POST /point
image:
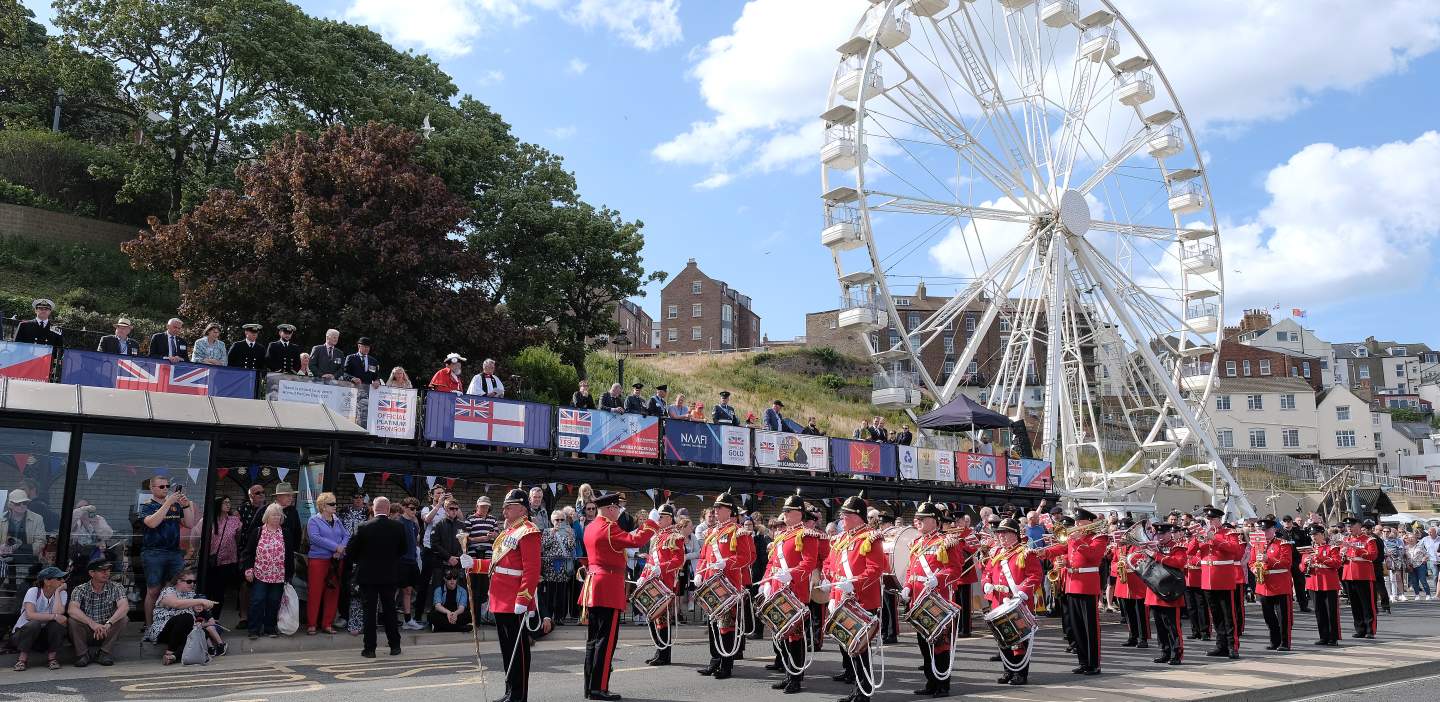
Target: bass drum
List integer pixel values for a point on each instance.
(897, 543)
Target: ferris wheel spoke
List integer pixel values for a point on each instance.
(1122, 154)
(894, 202)
(1146, 231)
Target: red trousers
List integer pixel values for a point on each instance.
(324, 591)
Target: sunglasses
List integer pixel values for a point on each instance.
(160, 487)
(451, 577)
(190, 581)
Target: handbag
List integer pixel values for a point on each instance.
(197, 648)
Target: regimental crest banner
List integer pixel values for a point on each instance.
(849, 457)
(491, 421)
(981, 469)
(392, 412)
(607, 433)
(25, 361)
(778, 449)
(155, 375)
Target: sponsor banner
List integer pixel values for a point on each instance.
(849, 457)
(937, 465)
(475, 419)
(776, 449)
(981, 468)
(737, 445)
(908, 460)
(1029, 473)
(25, 361)
(105, 370)
(392, 412)
(340, 398)
(608, 434)
(698, 442)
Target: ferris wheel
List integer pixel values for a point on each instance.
(1018, 210)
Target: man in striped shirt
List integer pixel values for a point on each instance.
(481, 528)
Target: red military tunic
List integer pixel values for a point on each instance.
(605, 544)
(1359, 556)
(1131, 586)
(1322, 567)
(1083, 554)
(1276, 562)
(666, 557)
(964, 551)
(514, 567)
(1024, 569)
(1175, 557)
(729, 542)
(1192, 563)
(933, 554)
(856, 556)
(797, 551)
(1219, 564)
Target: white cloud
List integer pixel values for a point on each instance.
(563, 133)
(576, 67)
(1341, 223)
(717, 180)
(447, 28)
(488, 77)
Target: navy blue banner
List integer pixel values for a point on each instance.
(474, 419)
(103, 370)
(696, 442)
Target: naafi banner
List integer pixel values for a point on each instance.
(715, 444)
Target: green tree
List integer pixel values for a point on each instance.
(34, 68)
(340, 230)
(1405, 414)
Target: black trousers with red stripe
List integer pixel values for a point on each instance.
(1198, 607)
(962, 620)
(1168, 632)
(600, 647)
(1223, 604)
(1082, 611)
(517, 675)
(1362, 605)
(1279, 617)
(1327, 614)
(1133, 609)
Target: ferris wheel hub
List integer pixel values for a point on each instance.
(1074, 212)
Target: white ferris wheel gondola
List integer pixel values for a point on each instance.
(1033, 158)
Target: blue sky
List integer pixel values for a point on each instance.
(698, 117)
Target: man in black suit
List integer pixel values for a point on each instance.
(723, 412)
(658, 406)
(282, 356)
(168, 344)
(327, 361)
(360, 366)
(634, 403)
(376, 548)
(445, 542)
(42, 329)
(904, 436)
(248, 353)
(120, 342)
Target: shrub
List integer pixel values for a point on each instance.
(830, 380)
(544, 376)
(826, 355)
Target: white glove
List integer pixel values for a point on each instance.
(466, 562)
(905, 595)
(846, 587)
(521, 609)
(989, 588)
(719, 563)
(931, 582)
(783, 577)
(655, 515)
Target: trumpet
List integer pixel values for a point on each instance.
(1063, 534)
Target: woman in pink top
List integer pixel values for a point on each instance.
(224, 554)
(264, 565)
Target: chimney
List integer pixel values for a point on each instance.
(920, 291)
(1254, 320)
(690, 263)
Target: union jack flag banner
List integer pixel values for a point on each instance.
(155, 375)
(473, 419)
(392, 413)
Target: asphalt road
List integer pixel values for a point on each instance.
(448, 670)
(1414, 690)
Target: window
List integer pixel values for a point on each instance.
(755, 327)
(1004, 324)
(974, 368)
(1305, 368)
(912, 320)
(695, 309)
(894, 339)
(694, 333)
(36, 458)
(1246, 365)
(949, 343)
(834, 322)
(1364, 372)
(1222, 402)
(969, 323)
(902, 302)
(1226, 437)
(1287, 401)
(1400, 370)
(1257, 438)
(694, 287)
(1324, 364)
(949, 368)
(727, 313)
(1264, 366)
(1361, 352)
(672, 311)
(1254, 402)
(1230, 369)
(1377, 440)
(725, 336)
(1398, 351)
(1290, 438)
(1342, 413)
(1375, 418)
(1345, 438)
(672, 334)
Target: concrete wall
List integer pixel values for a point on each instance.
(47, 226)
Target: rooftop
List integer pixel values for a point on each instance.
(1262, 385)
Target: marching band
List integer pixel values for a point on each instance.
(816, 587)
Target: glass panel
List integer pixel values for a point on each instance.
(116, 479)
(32, 485)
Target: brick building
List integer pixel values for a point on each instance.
(1240, 360)
(636, 323)
(700, 313)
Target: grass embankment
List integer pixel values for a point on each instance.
(834, 389)
(91, 286)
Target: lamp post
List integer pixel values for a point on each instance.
(621, 342)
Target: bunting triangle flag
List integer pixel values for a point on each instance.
(222, 472)
(430, 482)
(90, 468)
(407, 481)
(359, 480)
(57, 465)
(254, 472)
(194, 474)
(282, 472)
(449, 483)
(384, 477)
(22, 461)
(162, 470)
(487, 488)
(554, 488)
(651, 493)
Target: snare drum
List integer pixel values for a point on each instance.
(717, 596)
(783, 612)
(653, 598)
(852, 627)
(931, 615)
(1012, 623)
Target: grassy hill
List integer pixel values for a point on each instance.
(90, 285)
(834, 389)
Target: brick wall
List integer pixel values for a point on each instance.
(1281, 364)
(712, 298)
(47, 226)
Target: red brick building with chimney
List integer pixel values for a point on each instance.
(700, 313)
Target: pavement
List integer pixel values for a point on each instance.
(444, 666)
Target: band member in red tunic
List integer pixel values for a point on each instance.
(1273, 585)
(664, 561)
(967, 543)
(728, 553)
(815, 601)
(603, 594)
(514, 570)
(1219, 572)
(1359, 552)
(1169, 552)
(853, 570)
(1196, 603)
(1016, 572)
(1321, 567)
(1083, 553)
(933, 568)
(794, 555)
(1130, 590)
